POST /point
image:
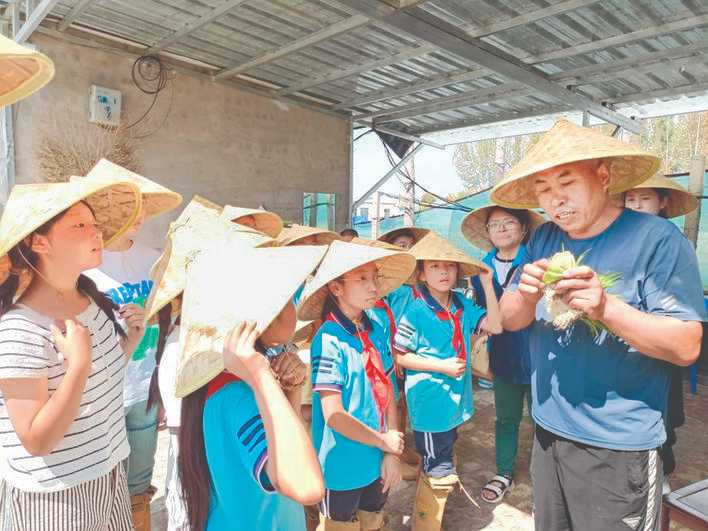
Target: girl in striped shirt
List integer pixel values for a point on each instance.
(62, 358)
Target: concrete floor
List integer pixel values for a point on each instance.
(475, 449)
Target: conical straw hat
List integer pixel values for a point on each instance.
(218, 297)
(266, 222)
(435, 247)
(566, 142)
(292, 235)
(418, 233)
(680, 201)
(115, 204)
(199, 227)
(156, 198)
(374, 243)
(394, 268)
(22, 71)
(304, 330)
(474, 226)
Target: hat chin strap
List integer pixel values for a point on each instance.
(59, 292)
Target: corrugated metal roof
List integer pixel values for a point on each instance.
(383, 66)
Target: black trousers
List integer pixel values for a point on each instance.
(584, 488)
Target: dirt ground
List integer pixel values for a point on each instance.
(475, 448)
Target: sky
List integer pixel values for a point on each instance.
(433, 167)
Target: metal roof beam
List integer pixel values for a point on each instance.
(194, 26)
(404, 55)
(75, 13)
(617, 40)
(422, 25)
(304, 42)
(692, 88)
(34, 19)
(527, 18)
(493, 118)
(568, 75)
(428, 84)
(476, 97)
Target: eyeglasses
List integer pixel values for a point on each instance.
(504, 224)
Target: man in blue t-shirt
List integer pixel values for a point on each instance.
(599, 395)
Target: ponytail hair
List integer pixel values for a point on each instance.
(192, 464)
(107, 306)
(164, 322)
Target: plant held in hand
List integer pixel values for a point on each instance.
(563, 315)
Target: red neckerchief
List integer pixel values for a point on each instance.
(392, 323)
(373, 366)
(391, 319)
(458, 338)
(220, 381)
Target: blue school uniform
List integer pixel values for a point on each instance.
(398, 300)
(437, 402)
(236, 450)
(338, 365)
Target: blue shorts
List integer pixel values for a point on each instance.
(436, 450)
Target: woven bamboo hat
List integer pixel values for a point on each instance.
(199, 227)
(435, 247)
(216, 300)
(156, 198)
(22, 71)
(566, 142)
(305, 330)
(394, 268)
(293, 234)
(391, 235)
(115, 204)
(374, 243)
(474, 226)
(680, 201)
(266, 222)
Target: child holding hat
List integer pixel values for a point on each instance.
(245, 459)
(354, 421)
(62, 358)
(661, 196)
(503, 233)
(199, 227)
(434, 344)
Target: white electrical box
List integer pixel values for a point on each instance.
(104, 105)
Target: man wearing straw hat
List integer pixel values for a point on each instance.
(622, 299)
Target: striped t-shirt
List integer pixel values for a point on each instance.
(96, 441)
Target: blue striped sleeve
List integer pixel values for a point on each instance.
(406, 339)
(327, 363)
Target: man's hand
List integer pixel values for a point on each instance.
(582, 290)
(531, 281)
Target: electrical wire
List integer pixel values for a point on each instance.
(363, 134)
(404, 172)
(150, 76)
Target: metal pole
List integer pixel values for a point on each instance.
(409, 213)
(375, 221)
(7, 137)
(691, 224)
(386, 177)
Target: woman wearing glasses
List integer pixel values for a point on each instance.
(503, 233)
